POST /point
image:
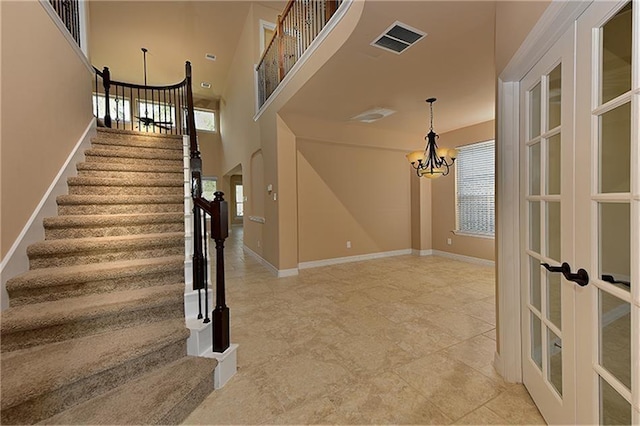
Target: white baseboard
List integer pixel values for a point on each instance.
(463, 258)
(416, 252)
(16, 261)
(280, 273)
(348, 259)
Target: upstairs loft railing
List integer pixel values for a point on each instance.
(69, 13)
(129, 106)
(300, 23)
(169, 110)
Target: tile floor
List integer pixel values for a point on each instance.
(400, 340)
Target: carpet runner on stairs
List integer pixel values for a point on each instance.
(95, 332)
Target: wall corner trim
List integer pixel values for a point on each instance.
(280, 273)
(417, 252)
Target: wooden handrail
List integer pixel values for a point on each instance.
(141, 86)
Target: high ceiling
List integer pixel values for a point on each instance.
(173, 32)
(454, 63)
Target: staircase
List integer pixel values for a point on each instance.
(96, 332)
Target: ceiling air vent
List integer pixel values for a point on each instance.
(398, 37)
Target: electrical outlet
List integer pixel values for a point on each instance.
(449, 241)
(258, 243)
(348, 244)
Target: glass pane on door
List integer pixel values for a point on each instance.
(535, 108)
(554, 98)
(615, 337)
(534, 169)
(554, 307)
(554, 371)
(615, 244)
(616, 55)
(553, 165)
(614, 409)
(553, 231)
(615, 150)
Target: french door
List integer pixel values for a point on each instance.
(580, 202)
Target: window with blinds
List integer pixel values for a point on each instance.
(475, 189)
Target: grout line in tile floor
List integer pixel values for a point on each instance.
(399, 340)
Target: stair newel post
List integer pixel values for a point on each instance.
(219, 232)
(106, 82)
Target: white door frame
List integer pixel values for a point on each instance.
(558, 18)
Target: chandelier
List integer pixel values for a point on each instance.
(432, 162)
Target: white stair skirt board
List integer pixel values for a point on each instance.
(280, 273)
(16, 261)
(201, 339)
(200, 343)
(227, 365)
(463, 258)
(348, 259)
(191, 303)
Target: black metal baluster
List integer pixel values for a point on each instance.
(205, 270)
(197, 257)
(138, 105)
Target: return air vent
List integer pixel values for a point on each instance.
(398, 37)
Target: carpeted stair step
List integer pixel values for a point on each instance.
(82, 251)
(114, 186)
(42, 381)
(165, 396)
(83, 226)
(135, 138)
(49, 284)
(118, 204)
(142, 151)
(126, 171)
(138, 141)
(40, 323)
(133, 156)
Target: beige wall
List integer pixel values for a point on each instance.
(514, 21)
(240, 134)
(352, 193)
(443, 200)
(48, 89)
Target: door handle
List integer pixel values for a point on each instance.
(611, 279)
(581, 277)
